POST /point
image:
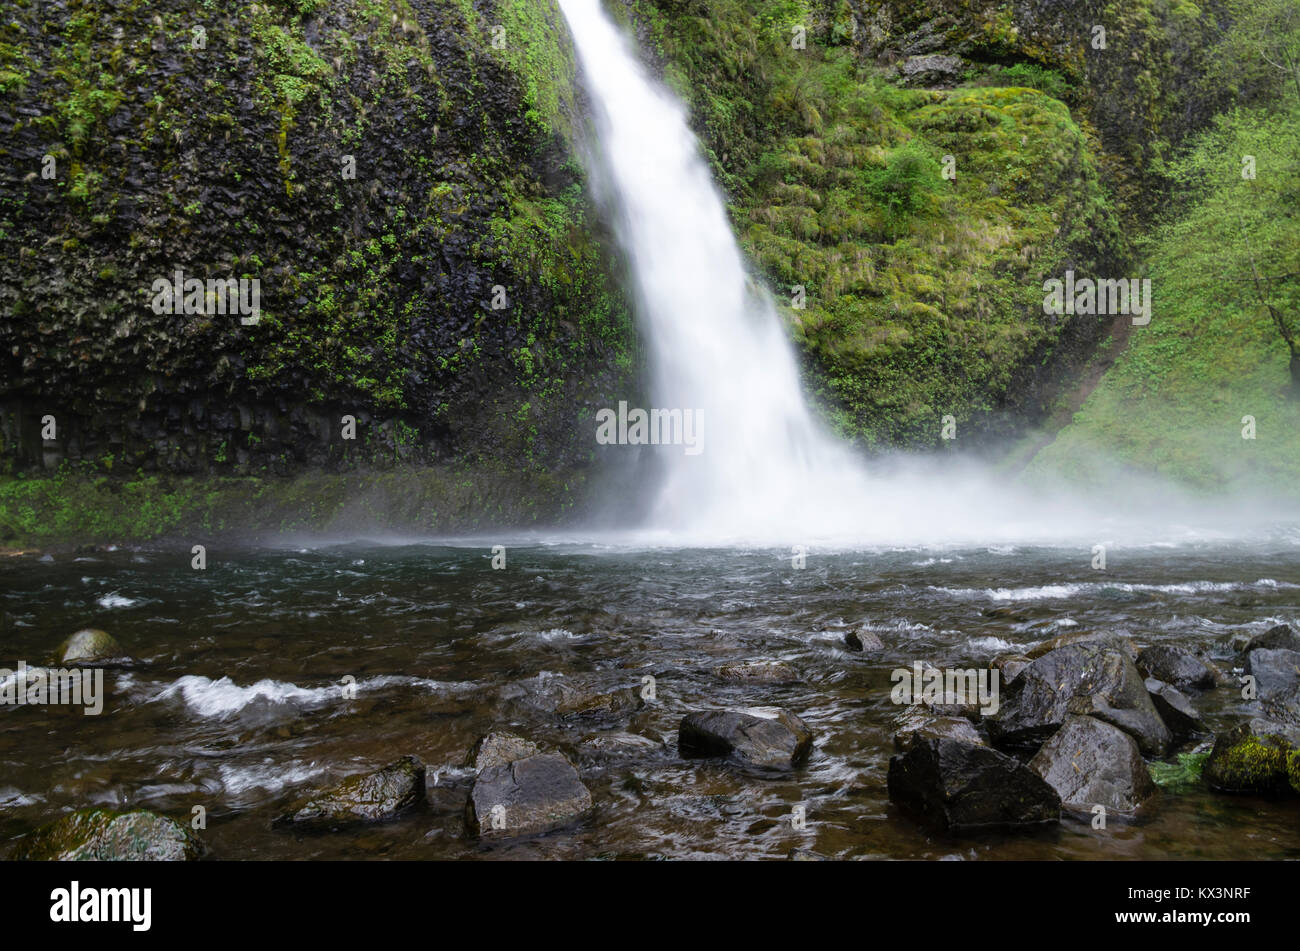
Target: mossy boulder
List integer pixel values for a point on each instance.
(372, 797)
(89, 646)
(1258, 756)
(100, 835)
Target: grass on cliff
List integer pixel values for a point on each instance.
(1177, 400)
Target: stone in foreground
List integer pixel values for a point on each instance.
(1177, 667)
(1175, 709)
(1083, 679)
(1090, 763)
(371, 797)
(955, 786)
(100, 835)
(759, 736)
(527, 796)
(1258, 756)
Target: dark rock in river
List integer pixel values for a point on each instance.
(90, 647)
(1113, 639)
(1175, 709)
(919, 723)
(569, 697)
(957, 785)
(1082, 679)
(1276, 638)
(1258, 756)
(618, 745)
(1176, 667)
(370, 797)
(863, 640)
(1090, 763)
(1276, 672)
(530, 795)
(770, 672)
(759, 736)
(496, 748)
(99, 835)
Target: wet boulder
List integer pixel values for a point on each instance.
(90, 647)
(496, 748)
(863, 640)
(955, 785)
(1276, 672)
(1280, 637)
(1258, 756)
(1176, 667)
(757, 736)
(1010, 666)
(1082, 679)
(918, 723)
(1119, 641)
(368, 797)
(767, 672)
(527, 796)
(1090, 763)
(574, 697)
(101, 835)
(1175, 709)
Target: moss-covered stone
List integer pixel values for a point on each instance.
(1253, 757)
(371, 797)
(100, 835)
(89, 646)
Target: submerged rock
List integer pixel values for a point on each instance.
(90, 646)
(759, 736)
(1082, 679)
(1276, 671)
(1176, 667)
(100, 835)
(770, 672)
(1258, 756)
(1090, 763)
(957, 785)
(863, 640)
(526, 796)
(618, 745)
(370, 797)
(1175, 709)
(496, 748)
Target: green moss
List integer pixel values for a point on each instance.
(1181, 774)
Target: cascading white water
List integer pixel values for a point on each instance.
(717, 345)
(768, 472)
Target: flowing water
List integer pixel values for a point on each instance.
(236, 704)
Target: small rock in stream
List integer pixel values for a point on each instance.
(535, 794)
(91, 647)
(758, 736)
(369, 797)
(101, 835)
(863, 640)
(768, 672)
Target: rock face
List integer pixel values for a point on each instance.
(1175, 709)
(1258, 756)
(1176, 667)
(90, 647)
(931, 70)
(99, 835)
(761, 736)
(773, 672)
(957, 785)
(372, 797)
(1276, 672)
(1091, 763)
(526, 796)
(1082, 679)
